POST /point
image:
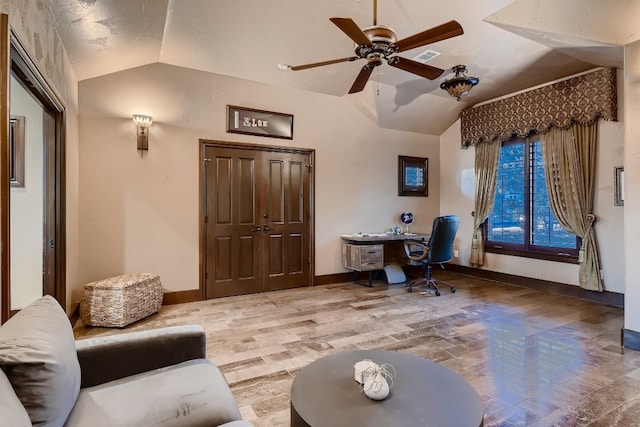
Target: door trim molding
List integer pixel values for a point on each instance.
(261, 147)
(16, 60)
(204, 143)
(5, 66)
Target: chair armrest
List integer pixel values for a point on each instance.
(416, 256)
(104, 359)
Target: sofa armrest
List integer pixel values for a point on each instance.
(104, 359)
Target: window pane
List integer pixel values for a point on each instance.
(507, 221)
(545, 228)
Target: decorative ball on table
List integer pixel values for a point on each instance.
(406, 218)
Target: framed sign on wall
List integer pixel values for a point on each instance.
(413, 176)
(250, 121)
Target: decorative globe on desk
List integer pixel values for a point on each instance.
(406, 218)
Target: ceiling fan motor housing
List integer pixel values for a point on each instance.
(381, 38)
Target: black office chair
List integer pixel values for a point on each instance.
(438, 250)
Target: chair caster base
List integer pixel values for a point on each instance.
(437, 293)
(453, 290)
(410, 289)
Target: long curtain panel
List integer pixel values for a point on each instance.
(570, 157)
(486, 167)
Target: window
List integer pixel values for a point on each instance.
(522, 222)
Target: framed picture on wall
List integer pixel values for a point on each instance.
(16, 151)
(618, 188)
(413, 174)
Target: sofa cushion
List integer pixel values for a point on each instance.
(192, 393)
(13, 413)
(38, 355)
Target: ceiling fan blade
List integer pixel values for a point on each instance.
(352, 30)
(361, 80)
(432, 35)
(320, 64)
(418, 68)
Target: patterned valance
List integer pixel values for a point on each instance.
(583, 99)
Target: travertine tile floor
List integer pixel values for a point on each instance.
(536, 359)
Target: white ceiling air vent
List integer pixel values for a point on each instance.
(426, 56)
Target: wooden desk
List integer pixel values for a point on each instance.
(372, 239)
(365, 252)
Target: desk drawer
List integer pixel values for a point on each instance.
(362, 257)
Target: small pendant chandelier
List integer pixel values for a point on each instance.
(459, 85)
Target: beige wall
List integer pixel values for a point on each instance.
(31, 23)
(141, 213)
(631, 239)
(27, 205)
(457, 186)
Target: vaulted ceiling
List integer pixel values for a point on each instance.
(509, 45)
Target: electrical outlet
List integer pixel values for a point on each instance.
(455, 253)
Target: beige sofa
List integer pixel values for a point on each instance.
(152, 378)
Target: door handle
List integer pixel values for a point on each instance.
(266, 228)
(255, 228)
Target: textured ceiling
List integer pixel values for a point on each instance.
(509, 44)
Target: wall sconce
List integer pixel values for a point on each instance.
(143, 122)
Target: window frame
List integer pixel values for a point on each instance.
(528, 249)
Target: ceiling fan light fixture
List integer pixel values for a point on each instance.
(459, 85)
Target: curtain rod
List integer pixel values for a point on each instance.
(537, 87)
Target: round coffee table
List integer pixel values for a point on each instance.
(325, 393)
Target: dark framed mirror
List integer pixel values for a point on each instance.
(16, 151)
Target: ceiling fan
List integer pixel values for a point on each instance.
(379, 43)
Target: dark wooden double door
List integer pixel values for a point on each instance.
(257, 219)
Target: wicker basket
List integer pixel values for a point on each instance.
(121, 300)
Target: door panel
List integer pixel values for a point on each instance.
(246, 192)
(223, 190)
(275, 254)
(296, 249)
(258, 237)
(49, 241)
(248, 267)
(275, 187)
(289, 202)
(296, 193)
(232, 238)
(223, 260)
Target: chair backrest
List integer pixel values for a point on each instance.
(443, 234)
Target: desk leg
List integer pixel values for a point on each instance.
(358, 282)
